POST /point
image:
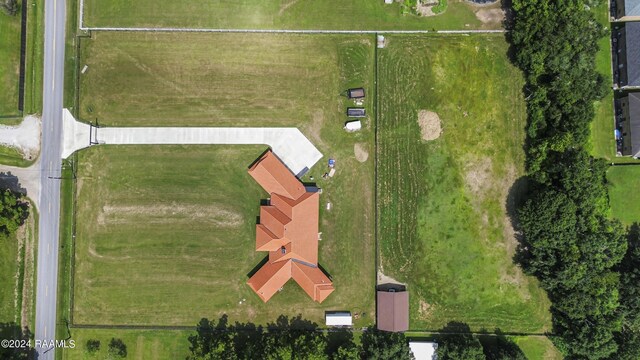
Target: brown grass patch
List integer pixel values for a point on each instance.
(361, 152)
(214, 214)
(430, 127)
(490, 16)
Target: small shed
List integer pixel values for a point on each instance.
(338, 318)
(380, 41)
(388, 1)
(393, 310)
(353, 125)
(356, 112)
(423, 350)
(357, 93)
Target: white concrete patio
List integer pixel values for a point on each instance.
(291, 146)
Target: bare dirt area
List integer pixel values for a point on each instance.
(360, 152)
(478, 176)
(425, 9)
(424, 309)
(430, 127)
(490, 16)
(24, 137)
(384, 279)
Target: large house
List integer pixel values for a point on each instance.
(626, 56)
(288, 230)
(625, 10)
(628, 125)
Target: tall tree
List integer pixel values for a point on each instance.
(382, 345)
(463, 346)
(10, 7)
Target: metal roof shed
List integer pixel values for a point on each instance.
(338, 318)
(353, 125)
(356, 112)
(393, 311)
(357, 93)
(423, 350)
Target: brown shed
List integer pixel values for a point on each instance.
(393, 310)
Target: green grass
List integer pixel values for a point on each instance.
(10, 65)
(141, 344)
(623, 184)
(135, 265)
(34, 57)
(276, 14)
(189, 80)
(537, 348)
(8, 265)
(443, 224)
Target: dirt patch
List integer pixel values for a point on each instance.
(424, 309)
(430, 127)
(490, 16)
(384, 279)
(425, 10)
(361, 152)
(478, 177)
(216, 215)
(285, 6)
(315, 127)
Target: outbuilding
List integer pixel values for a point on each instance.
(628, 125)
(626, 55)
(424, 350)
(357, 93)
(353, 125)
(338, 318)
(626, 10)
(356, 112)
(393, 310)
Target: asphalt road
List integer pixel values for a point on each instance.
(50, 166)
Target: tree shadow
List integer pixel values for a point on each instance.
(12, 183)
(337, 338)
(12, 331)
(515, 198)
(499, 347)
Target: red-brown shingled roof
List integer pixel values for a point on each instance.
(288, 229)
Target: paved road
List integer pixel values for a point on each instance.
(50, 165)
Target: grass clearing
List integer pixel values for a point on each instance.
(623, 184)
(141, 344)
(277, 14)
(10, 65)
(189, 80)
(139, 263)
(537, 348)
(443, 224)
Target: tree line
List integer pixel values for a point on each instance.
(585, 260)
(297, 338)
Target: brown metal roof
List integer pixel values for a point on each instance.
(288, 229)
(393, 311)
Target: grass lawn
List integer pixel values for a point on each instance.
(10, 65)
(141, 344)
(278, 14)
(138, 262)
(212, 79)
(623, 184)
(8, 267)
(443, 224)
(537, 347)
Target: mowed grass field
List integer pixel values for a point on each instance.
(150, 246)
(141, 344)
(281, 14)
(142, 79)
(623, 184)
(443, 205)
(10, 64)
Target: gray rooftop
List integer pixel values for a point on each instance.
(634, 123)
(632, 7)
(632, 30)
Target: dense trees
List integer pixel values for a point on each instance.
(13, 212)
(461, 346)
(570, 243)
(117, 349)
(294, 338)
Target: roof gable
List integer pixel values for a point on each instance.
(632, 34)
(632, 7)
(634, 123)
(275, 177)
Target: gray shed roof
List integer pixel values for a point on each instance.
(632, 32)
(632, 7)
(634, 123)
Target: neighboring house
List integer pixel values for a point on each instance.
(628, 125)
(393, 310)
(424, 350)
(626, 55)
(288, 230)
(625, 10)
